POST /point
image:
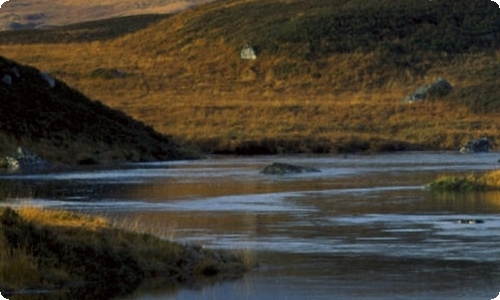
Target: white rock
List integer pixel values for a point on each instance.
(248, 52)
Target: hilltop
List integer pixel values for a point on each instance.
(43, 114)
(329, 75)
(28, 14)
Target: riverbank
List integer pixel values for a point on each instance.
(52, 250)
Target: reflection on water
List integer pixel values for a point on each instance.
(363, 228)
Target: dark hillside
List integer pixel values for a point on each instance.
(46, 116)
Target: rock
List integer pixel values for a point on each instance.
(9, 163)
(437, 89)
(7, 79)
(474, 146)
(283, 168)
(248, 52)
(470, 221)
(24, 160)
(49, 79)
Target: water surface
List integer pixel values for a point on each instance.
(362, 228)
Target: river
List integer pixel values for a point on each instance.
(362, 228)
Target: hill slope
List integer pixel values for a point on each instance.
(82, 32)
(328, 77)
(60, 124)
(26, 14)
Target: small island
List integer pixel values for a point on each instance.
(472, 182)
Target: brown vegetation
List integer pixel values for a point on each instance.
(329, 75)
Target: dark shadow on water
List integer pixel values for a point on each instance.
(90, 291)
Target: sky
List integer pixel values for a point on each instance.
(2, 2)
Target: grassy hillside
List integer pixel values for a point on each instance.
(28, 14)
(61, 124)
(328, 77)
(81, 32)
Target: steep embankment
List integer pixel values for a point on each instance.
(328, 77)
(59, 123)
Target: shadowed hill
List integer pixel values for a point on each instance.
(329, 75)
(59, 123)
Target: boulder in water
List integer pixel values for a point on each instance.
(283, 168)
(475, 146)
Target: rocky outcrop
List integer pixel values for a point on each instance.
(437, 89)
(478, 145)
(24, 160)
(283, 168)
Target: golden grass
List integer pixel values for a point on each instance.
(235, 112)
(61, 218)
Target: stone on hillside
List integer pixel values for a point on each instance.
(437, 89)
(7, 79)
(49, 79)
(248, 52)
(283, 168)
(474, 146)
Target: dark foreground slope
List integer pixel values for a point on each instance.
(46, 116)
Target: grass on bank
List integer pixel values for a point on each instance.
(471, 182)
(329, 75)
(53, 249)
